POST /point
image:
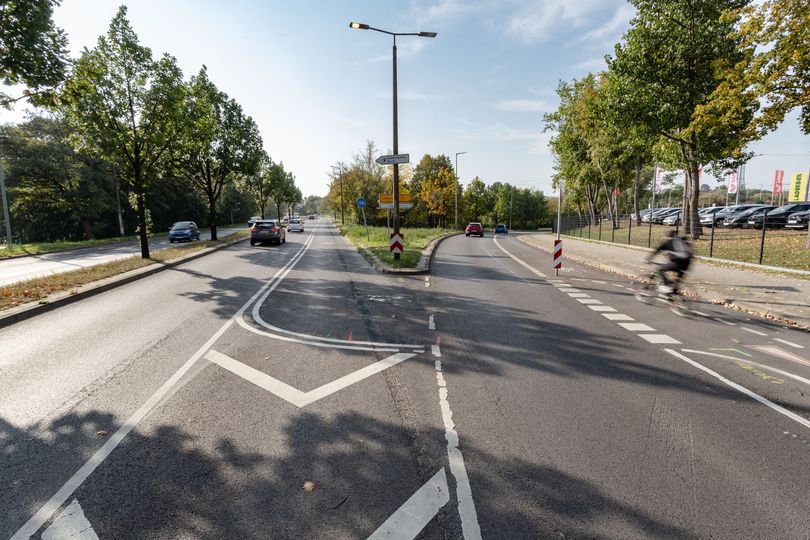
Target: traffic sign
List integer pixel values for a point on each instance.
(389, 198)
(392, 159)
(395, 243)
(361, 203)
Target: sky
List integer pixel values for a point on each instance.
(319, 90)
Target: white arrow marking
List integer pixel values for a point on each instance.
(70, 524)
(294, 395)
(409, 520)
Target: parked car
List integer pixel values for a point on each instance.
(658, 217)
(295, 225)
(651, 213)
(713, 216)
(184, 231)
(741, 219)
(474, 228)
(799, 220)
(267, 230)
(253, 220)
(779, 216)
(673, 219)
(730, 216)
(500, 228)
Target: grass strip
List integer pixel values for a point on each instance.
(36, 289)
(416, 239)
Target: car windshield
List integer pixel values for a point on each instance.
(294, 221)
(183, 225)
(474, 225)
(266, 225)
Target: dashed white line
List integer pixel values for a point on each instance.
(588, 301)
(768, 403)
(757, 332)
(578, 295)
(602, 308)
(599, 282)
(718, 319)
(659, 338)
(436, 351)
(636, 327)
(617, 317)
(431, 323)
(789, 343)
(427, 281)
(696, 312)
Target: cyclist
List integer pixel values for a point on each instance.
(679, 251)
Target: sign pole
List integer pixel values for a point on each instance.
(396, 151)
(6, 219)
(559, 220)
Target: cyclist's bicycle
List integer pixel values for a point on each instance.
(648, 291)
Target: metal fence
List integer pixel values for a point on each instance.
(781, 247)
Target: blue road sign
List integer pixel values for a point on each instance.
(361, 203)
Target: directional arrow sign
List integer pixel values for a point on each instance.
(395, 243)
(391, 159)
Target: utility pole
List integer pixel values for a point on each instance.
(6, 219)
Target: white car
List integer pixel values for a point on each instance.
(295, 225)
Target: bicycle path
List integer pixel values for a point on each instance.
(761, 293)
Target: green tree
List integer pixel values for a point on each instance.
(439, 194)
(221, 144)
(258, 185)
(34, 50)
(479, 202)
(428, 167)
(666, 70)
(126, 108)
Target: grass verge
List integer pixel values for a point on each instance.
(40, 288)
(416, 239)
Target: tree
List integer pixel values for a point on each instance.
(439, 193)
(258, 185)
(666, 71)
(34, 50)
(220, 144)
(428, 167)
(126, 108)
(478, 201)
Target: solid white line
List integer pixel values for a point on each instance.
(435, 351)
(600, 282)
(768, 403)
(431, 323)
(71, 523)
(718, 319)
(602, 308)
(466, 506)
(790, 343)
(659, 338)
(73, 483)
(763, 366)
(636, 327)
(525, 265)
(617, 317)
(409, 520)
(293, 395)
(244, 324)
(757, 332)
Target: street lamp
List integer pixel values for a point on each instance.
(362, 26)
(457, 154)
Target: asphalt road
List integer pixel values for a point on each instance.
(23, 268)
(292, 392)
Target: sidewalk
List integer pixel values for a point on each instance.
(765, 295)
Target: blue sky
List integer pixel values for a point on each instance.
(318, 90)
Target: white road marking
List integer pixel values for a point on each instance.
(466, 506)
(434, 349)
(746, 391)
(718, 319)
(525, 265)
(636, 327)
(776, 351)
(701, 313)
(757, 332)
(431, 323)
(578, 295)
(658, 338)
(294, 395)
(599, 282)
(617, 317)
(789, 343)
(763, 366)
(602, 308)
(70, 524)
(619, 285)
(587, 301)
(427, 281)
(409, 520)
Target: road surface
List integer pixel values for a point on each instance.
(292, 392)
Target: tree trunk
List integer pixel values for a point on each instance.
(609, 200)
(212, 215)
(636, 186)
(141, 211)
(695, 230)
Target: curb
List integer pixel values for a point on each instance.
(769, 316)
(422, 267)
(64, 298)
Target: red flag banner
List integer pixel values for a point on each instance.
(732, 183)
(777, 182)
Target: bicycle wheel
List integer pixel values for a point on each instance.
(680, 305)
(645, 291)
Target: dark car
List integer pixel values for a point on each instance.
(500, 228)
(779, 216)
(740, 219)
(267, 230)
(713, 216)
(184, 231)
(799, 220)
(659, 217)
(475, 229)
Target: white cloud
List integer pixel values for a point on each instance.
(609, 32)
(498, 132)
(523, 105)
(447, 10)
(592, 65)
(538, 20)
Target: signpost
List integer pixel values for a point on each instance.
(361, 204)
(395, 243)
(387, 201)
(393, 159)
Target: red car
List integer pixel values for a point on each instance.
(474, 229)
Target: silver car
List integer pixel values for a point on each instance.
(295, 225)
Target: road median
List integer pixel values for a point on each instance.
(420, 245)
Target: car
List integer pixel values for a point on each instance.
(267, 230)
(673, 219)
(295, 225)
(712, 216)
(799, 220)
(656, 213)
(731, 215)
(311, 217)
(742, 219)
(659, 217)
(474, 229)
(253, 220)
(779, 216)
(184, 231)
(500, 228)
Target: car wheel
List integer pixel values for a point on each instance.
(284, 240)
(466, 234)
(252, 243)
(171, 241)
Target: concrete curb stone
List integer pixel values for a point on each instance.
(63, 298)
(422, 266)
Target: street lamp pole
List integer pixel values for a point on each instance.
(457, 154)
(363, 26)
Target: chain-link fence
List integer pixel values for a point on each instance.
(771, 246)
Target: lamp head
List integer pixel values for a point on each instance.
(427, 34)
(358, 26)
